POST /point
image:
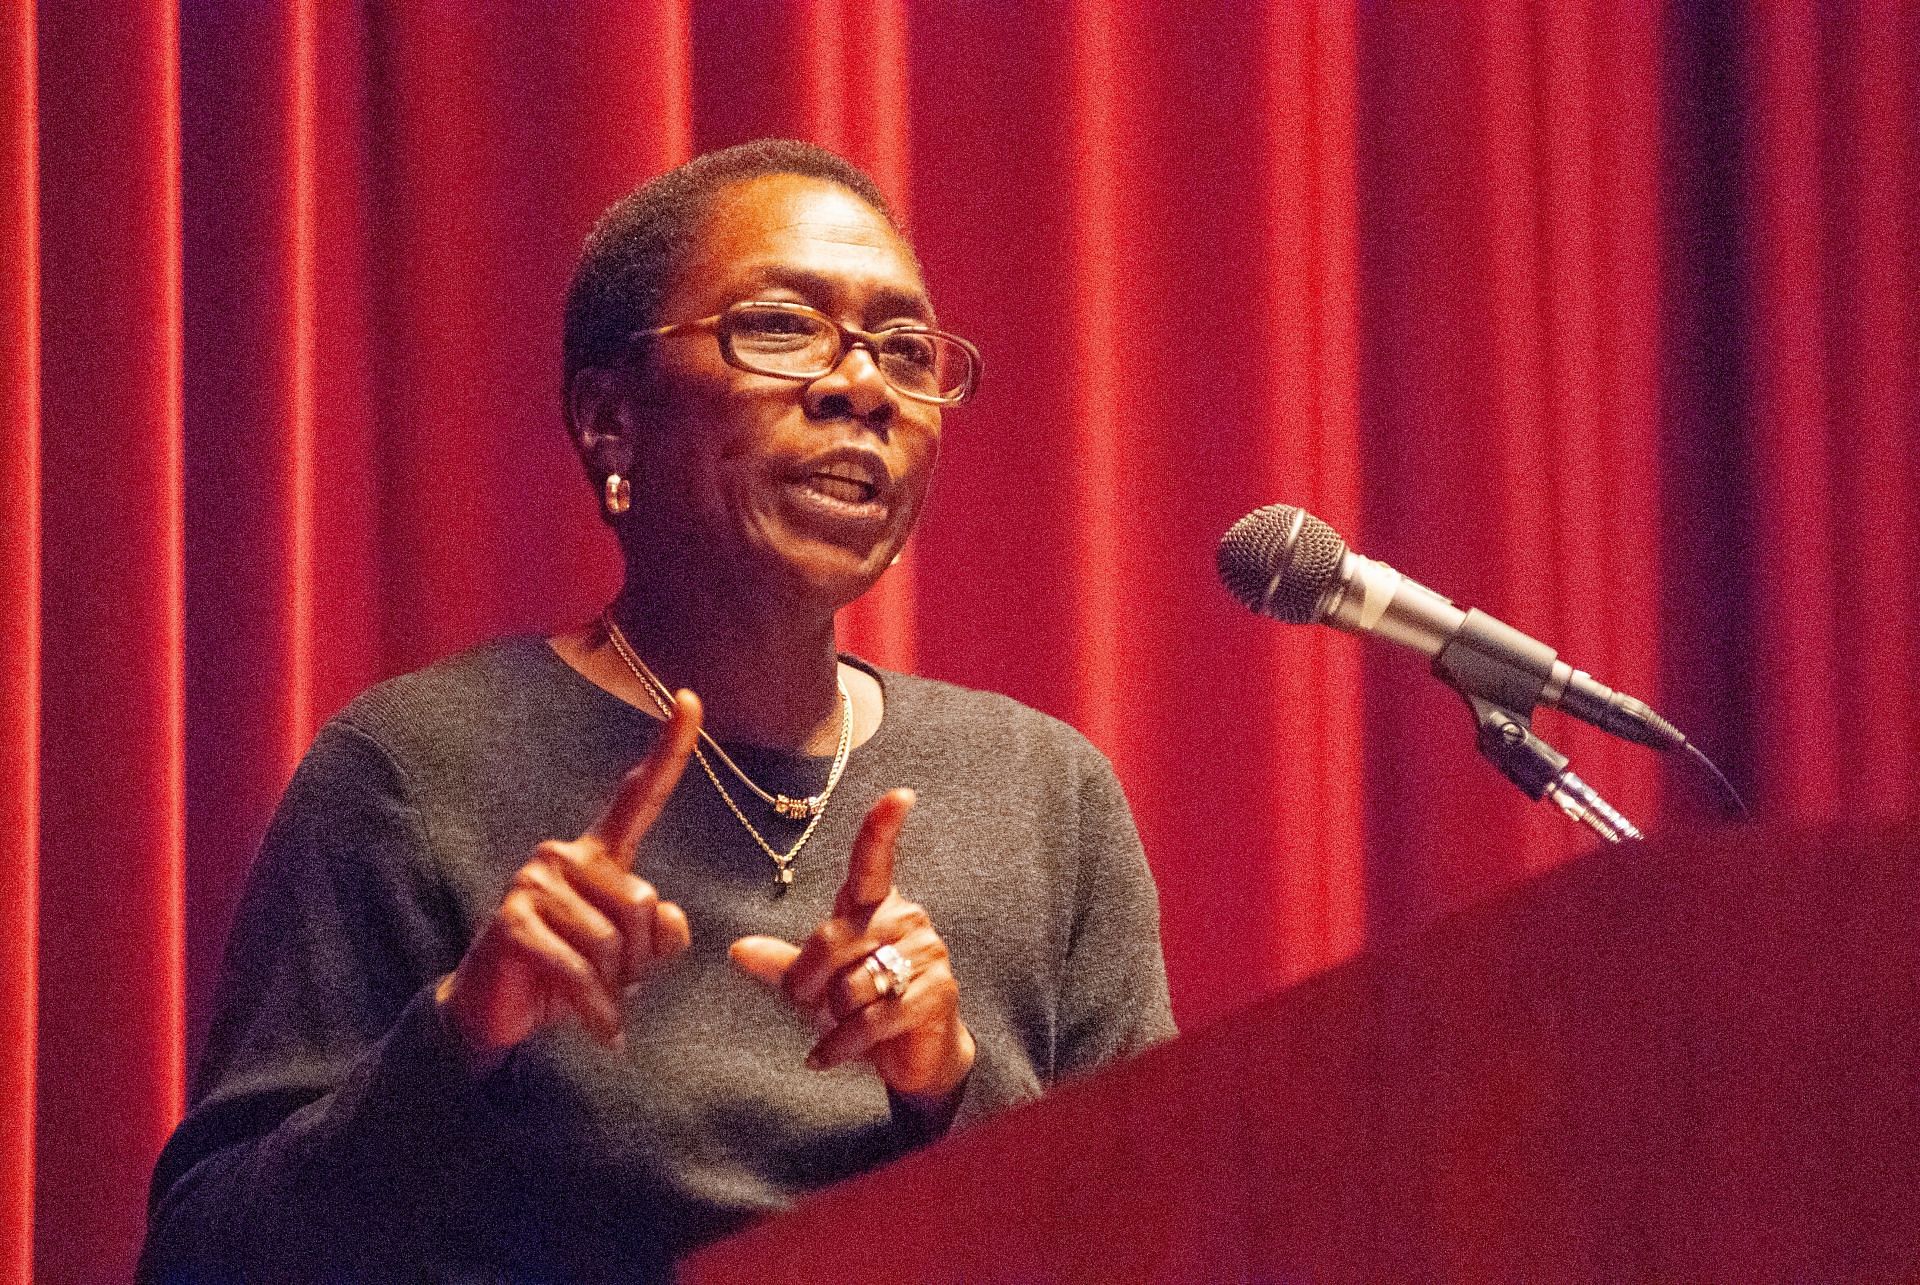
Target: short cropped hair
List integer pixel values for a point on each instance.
(633, 252)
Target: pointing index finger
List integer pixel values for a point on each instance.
(870, 868)
(645, 790)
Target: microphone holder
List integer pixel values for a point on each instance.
(1489, 666)
(1508, 742)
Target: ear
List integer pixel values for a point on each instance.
(602, 420)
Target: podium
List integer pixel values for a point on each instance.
(1690, 1060)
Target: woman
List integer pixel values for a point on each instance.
(448, 1044)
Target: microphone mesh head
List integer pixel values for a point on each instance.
(1279, 561)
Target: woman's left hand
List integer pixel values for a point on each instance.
(914, 1037)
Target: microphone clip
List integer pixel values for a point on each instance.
(1488, 660)
(1508, 741)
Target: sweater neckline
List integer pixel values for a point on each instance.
(608, 702)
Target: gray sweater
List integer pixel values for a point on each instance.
(335, 1133)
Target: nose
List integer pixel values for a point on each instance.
(854, 389)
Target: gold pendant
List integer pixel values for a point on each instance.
(786, 876)
(795, 809)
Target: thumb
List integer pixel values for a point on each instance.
(763, 958)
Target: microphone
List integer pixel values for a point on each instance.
(1283, 562)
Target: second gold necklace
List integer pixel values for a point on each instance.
(809, 809)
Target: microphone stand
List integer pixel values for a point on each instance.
(1509, 743)
(1498, 672)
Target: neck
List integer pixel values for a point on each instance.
(765, 674)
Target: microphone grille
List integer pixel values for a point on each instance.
(1279, 561)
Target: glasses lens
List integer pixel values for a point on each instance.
(782, 341)
(924, 362)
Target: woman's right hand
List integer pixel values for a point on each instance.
(577, 926)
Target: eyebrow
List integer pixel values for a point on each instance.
(885, 299)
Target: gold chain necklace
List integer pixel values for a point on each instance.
(802, 809)
(810, 809)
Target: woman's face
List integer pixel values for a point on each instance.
(800, 489)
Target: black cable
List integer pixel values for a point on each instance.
(1739, 804)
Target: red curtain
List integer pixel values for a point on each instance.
(19, 635)
(1599, 317)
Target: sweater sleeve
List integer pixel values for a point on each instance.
(331, 1109)
(1113, 992)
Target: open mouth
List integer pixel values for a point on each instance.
(838, 486)
(848, 480)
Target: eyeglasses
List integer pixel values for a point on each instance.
(793, 341)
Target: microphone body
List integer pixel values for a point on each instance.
(1283, 562)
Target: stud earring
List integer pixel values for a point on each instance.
(618, 494)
